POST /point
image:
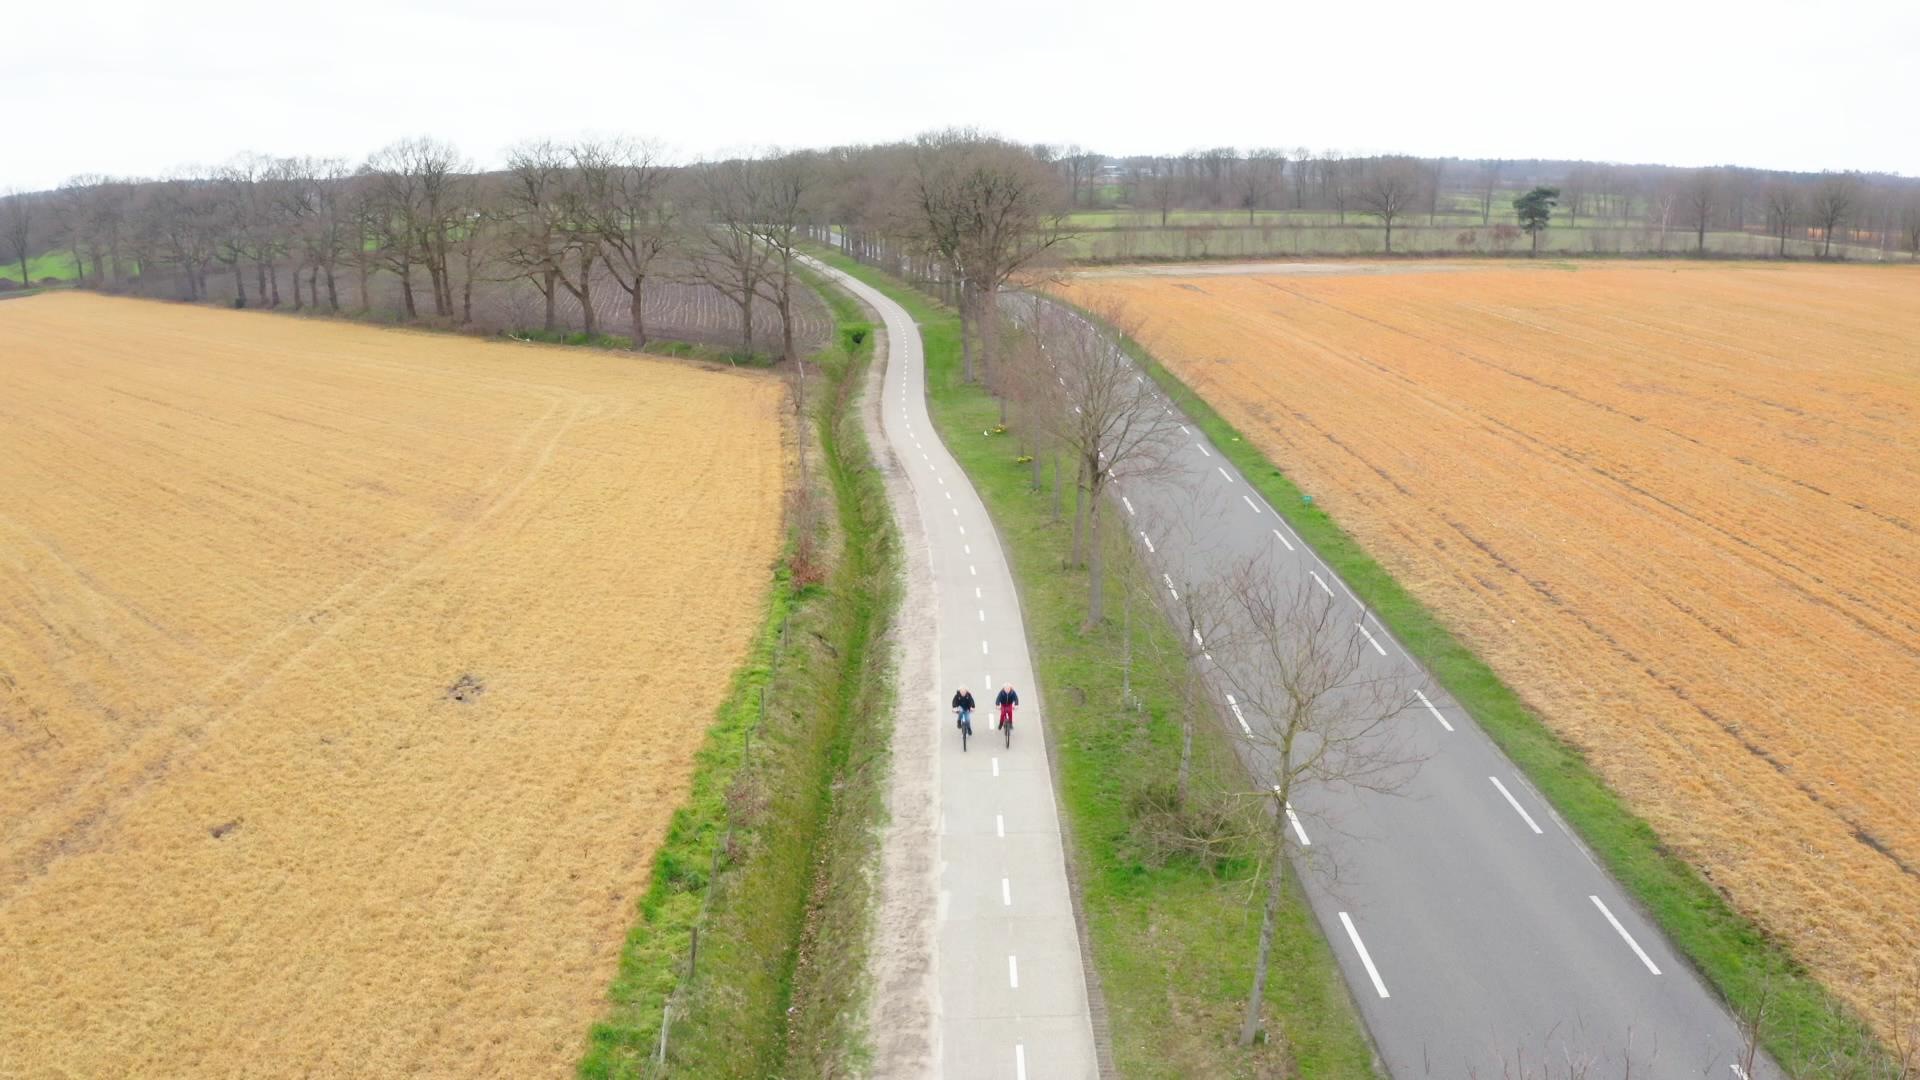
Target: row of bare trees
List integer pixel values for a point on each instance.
(564, 218)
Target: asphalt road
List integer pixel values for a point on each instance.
(1477, 934)
(1012, 996)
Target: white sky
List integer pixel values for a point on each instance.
(142, 87)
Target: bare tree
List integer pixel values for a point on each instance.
(1783, 204)
(17, 229)
(1163, 189)
(1910, 225)
(1259, 178)
(533, 239)
(1112, 421)
(725, 249)
(991, 208)
(1336, 182)
(1489, 180)
(1314, 715)
(1389, 192)
(1832, 205)
(787, 189)
(1699, 196)
(627, 207)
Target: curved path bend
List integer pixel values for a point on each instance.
(1010, 996)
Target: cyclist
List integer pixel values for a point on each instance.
(1008, 699)
(963, 708)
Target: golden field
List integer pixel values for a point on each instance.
(348, 678)
(1676, 507)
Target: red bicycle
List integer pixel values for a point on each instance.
(1006, 723)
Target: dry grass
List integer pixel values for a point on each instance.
(1676, 507)
(245, 828)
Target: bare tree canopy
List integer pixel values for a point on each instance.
(1389, 192)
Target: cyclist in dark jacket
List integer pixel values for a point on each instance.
(963, 705)
(1008, 699)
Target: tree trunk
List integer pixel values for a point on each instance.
(1079, 507)
(1702, 241)
(239, 285)
(1186, 733)
(1389, 236)
(547, 287)
(273, 283)
(966, 335)
(785, 307)
(296, 288)
(1096, 578)
(24, 279)
(406, 294)
(586, 293)
(1535, 252)
(260, 281)
(366, 300)
(637, 310)
(746, 322)
(333, 289)
(1058, 502)
(466, 300)
(1276, 877)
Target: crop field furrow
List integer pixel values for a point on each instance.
(1673, 507)
(350, 678)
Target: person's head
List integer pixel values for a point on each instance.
(1008, 688)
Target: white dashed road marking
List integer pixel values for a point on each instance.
(1145, 539)
(1318, 581)
(1361, 948)
(1169, 580)
(1434, 711)
(1370, 639)
(1251, 505)
(1278, 535)
(1124, 501)
(1637, 950)
(1515, 803)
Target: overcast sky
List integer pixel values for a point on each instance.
(144, 87)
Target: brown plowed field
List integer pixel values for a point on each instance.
(1676, 507)
(348, 678)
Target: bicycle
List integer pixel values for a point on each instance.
(966, 727)
(1005, 724)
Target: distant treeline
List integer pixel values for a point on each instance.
(573, 221)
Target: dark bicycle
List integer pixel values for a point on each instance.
(966, 727)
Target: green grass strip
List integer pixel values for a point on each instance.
(1808, 1031)
(1173, 943)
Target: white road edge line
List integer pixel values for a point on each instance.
(1361, 947)
(1515, 803)
(1434, 711)
(1637, 950)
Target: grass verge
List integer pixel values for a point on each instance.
(1807, 1030)
(771, 856)
(686, 350)
(1173, 942)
